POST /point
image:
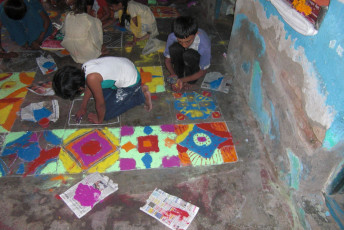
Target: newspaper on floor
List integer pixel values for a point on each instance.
(43, 88)
(170, 210)
(46, 64)
(216, 81)
(82, 197)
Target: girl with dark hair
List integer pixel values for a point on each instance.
(27, 23)
(83, 34)
(137, 18)
(113, 82)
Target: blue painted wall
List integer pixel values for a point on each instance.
(328, 61)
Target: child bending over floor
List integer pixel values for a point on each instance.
(187, 53)
(83, 34)
(114, 83)
(140, 18)
(27, 23)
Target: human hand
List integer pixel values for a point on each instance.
(80, 114)
(92, 117)
(172, 79)
(178, 86)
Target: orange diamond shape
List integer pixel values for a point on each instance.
(128, 146)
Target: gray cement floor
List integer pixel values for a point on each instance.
(230, 196)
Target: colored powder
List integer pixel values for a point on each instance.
(173, 161)
(177, 212)
(41, 113)
(147, 130)
(127, 131)
(127, 164)
(167, 128)
(147, 160)
(86, 195)
(44, 122)
(201, 139)
(91, 148)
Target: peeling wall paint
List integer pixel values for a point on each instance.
(295, 88)
(256, 100)
(323, 67)
(295, 170)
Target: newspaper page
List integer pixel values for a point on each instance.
(216, 81)
(82, 197)
(43, 88)
(170, 210)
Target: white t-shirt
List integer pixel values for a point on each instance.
(116, 71)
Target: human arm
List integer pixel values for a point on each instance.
(83, 108)
(46, 23)
(106, 14)
(169, 67)
(94, 83)
(135, 28)
(182, 81)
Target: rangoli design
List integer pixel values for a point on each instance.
(30, 153)
(194, 106)
(89, 150)
(152, 76)
(12, 92)
(164, 12)
(116, 149)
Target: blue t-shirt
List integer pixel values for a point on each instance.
(28, 28)
(201, 44)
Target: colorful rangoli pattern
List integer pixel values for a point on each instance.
(12, 92)
(152, 76)
(164, 12)
(28, 153)
(116, 149)
(193, 105)
(90, 150)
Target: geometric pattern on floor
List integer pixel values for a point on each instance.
(195, 106)
(116, 149)
(12, 92)
(153, 77)
(164, 11)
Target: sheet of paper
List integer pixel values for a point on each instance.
(83, 196)
(216, 81)
(170, 210)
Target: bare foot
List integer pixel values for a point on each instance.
(148, 102)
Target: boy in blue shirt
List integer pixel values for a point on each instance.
(187, 52)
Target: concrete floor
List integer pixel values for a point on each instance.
(230, 196)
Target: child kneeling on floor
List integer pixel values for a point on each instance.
(114, 83)
(187, 52)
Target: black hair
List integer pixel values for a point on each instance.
(125, 16)
(184, 26)
(15, 9)
(80, 6)
(68, 81)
